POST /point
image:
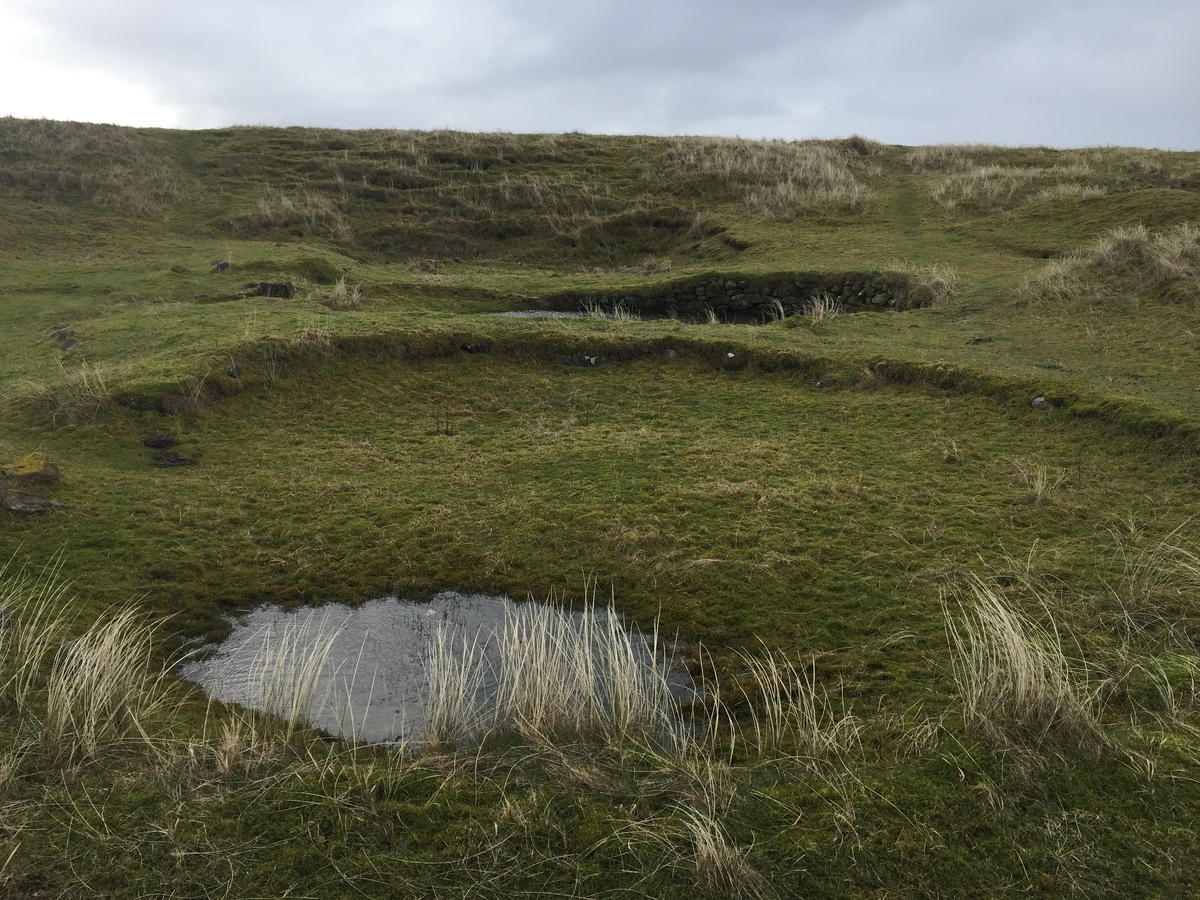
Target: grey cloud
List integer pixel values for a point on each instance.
(912, 71)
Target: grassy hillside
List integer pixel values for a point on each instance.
(947, 637)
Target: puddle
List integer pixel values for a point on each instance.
(365, 672)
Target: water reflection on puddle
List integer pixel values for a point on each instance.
(367, 668)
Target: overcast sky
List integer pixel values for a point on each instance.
(1054, 72)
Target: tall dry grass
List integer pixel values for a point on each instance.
(103, 688)
(995, 188)
(558, 674)
(792, 715)
(977, 179)
(1125, 263)
(308, 211)
(287, 675)
(80, 395)
(34, 607)
(775, 179)
(1016, 682)
(103, 165)
(78, 694)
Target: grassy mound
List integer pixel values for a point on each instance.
(1127, 264)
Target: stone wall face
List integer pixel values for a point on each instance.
(737, 298)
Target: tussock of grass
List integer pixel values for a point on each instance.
(990, 189)
(102, 690)
(981, 179)
(559, 674)
(79, 695)
(286, 674)
(791, 714)
(310, 213)
(1041, 480)
(1125, 264)
(774, 179)
(81, 394)
(343, 295)
(1015, 680)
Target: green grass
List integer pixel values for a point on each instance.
(955, 637)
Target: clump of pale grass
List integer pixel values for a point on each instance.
(343, 295)
(1128, 261)
(35, 621)
(82, 693)
(1041, 480)
(588, 674)
(655, 265)
(775, 179)
(791, 715)
(721, 866)
(1014, 678)
(309, 212)
(558, 674)
(1067, 189)
(939, 159)
(286, 675)
(821, 307)
(616, 311)
(1159, 587)
(995, 188)
(773, 311)
(80, 395)
(103, 688)
(928, 285)
(455, 672)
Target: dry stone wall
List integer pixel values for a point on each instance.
(741, 298)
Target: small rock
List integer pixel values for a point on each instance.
(1041, 403)
(31, 469)
(159, 441)
(582, 359)
(25, 505)
(169, 459)
(824, 383)
(670, 354)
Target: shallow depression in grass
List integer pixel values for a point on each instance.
(379, 671)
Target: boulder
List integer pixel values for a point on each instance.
(31, 469)
(26, 505)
